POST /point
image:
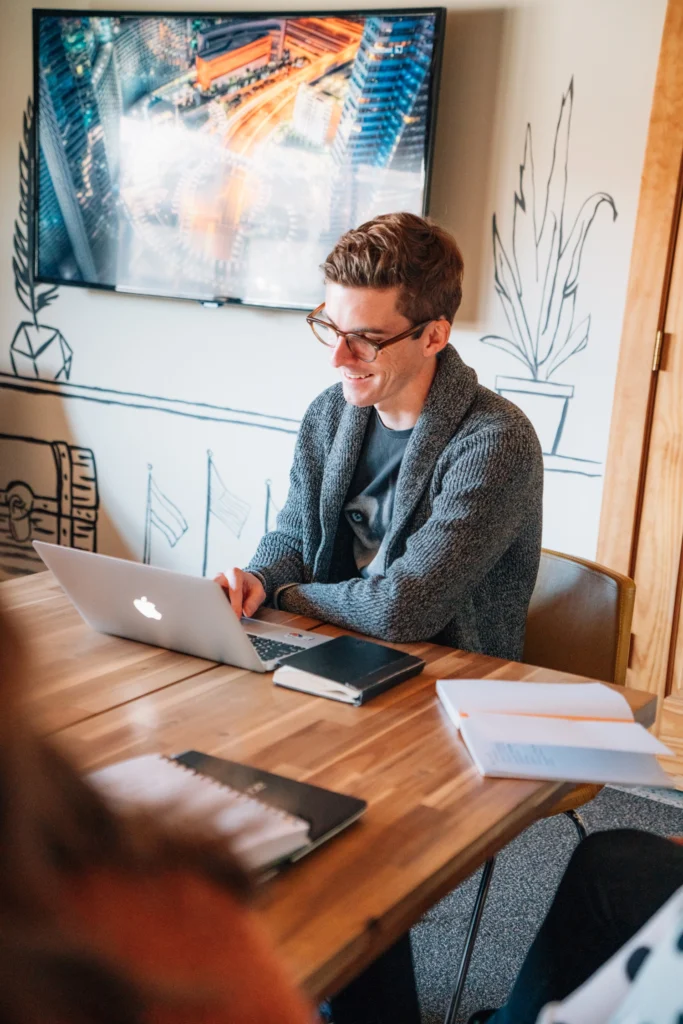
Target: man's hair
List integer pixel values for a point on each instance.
(405, 251)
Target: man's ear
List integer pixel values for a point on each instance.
(436, 337)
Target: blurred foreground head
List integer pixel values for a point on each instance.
(54, 832)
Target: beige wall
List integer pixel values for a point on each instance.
(504, 66)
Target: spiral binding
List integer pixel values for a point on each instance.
(239, 796)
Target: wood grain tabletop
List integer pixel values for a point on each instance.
(77, 672)
(431, 819)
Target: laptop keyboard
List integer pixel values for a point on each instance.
(269, 650)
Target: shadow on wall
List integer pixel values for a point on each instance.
(464, 140)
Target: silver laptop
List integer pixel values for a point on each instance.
(169, 609)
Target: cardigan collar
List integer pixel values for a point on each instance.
(450, 396)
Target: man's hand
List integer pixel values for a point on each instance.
(245, 591)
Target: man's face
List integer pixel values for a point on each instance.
(372, 312)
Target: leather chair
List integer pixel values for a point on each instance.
(579, 618)
(579, 621)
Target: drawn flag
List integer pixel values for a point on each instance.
(164, 514)
(228, 508)
(232, 511)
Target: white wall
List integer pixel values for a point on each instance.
(503, 67)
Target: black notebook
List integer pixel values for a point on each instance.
(347, 669)
(269, 818)
(325, 811)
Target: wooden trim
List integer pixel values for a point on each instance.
(674, 651)
(651, 262)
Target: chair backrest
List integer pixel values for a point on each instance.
(579, 618)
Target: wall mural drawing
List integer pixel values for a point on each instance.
(537, 286)
(37, 349)
(63, 389)
(49, 488)
(162, 513)
(226, 507)
(40, 356)
(48, 491)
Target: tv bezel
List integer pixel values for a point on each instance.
(223, 300)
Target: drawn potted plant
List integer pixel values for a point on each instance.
(537, 285)
(37, 350)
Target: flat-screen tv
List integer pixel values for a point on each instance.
(218, 157)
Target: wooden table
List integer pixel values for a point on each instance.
(80, 673)
(431, 820)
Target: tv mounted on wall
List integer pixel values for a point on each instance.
(219, 157)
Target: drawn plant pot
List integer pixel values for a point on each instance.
(537, 281)
(545, 403)
(40, 351)
(37, 350)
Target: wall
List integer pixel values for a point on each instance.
(504, 67)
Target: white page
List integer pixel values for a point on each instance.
(561, 732)
(594, 700)
(496, 759)
(308, 682)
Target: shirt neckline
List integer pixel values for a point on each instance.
(394, 433)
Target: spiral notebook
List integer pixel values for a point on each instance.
(263, 835)
(270, 818)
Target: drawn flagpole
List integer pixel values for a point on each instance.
(207, 519)
(270, 505)
(162, 513)
(231, 510)
(146, 553)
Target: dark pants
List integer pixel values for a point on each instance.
(614, 883)
(384, 993)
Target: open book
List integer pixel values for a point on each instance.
(576, 732)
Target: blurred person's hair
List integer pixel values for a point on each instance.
(53, 828)
(405, 251)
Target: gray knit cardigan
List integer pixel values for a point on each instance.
(465, 536)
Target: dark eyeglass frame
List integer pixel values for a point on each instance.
(312, 319)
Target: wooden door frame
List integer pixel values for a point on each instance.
(659, 206)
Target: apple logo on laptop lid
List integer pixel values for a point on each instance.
(146, 608)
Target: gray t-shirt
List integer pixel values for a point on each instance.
(369, 503)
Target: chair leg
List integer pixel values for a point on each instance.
(472, 933)
(578, 823)
(475, 921)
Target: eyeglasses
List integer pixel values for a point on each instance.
(358, 345)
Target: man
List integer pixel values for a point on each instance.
(415, 500)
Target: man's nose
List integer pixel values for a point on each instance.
(340, 354)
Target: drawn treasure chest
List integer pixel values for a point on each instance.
(48, 491)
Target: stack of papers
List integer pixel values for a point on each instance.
(576, 732)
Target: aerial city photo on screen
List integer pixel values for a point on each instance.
(221, 157)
